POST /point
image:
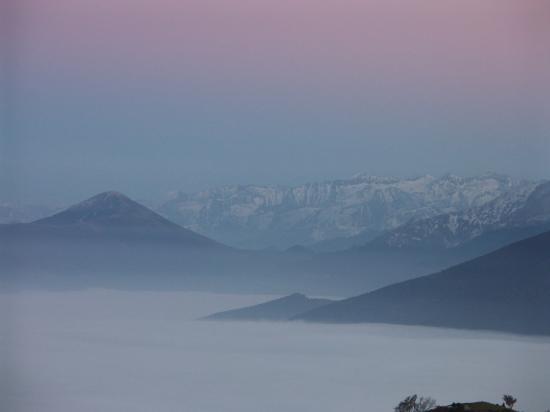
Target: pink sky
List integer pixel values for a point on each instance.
(325, 45)
(230, 87)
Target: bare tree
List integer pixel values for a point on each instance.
(424, 404)
(415, 404)
(407, 404)
(509, 401)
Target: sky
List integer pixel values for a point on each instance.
(146, 97)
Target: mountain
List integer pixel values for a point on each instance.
(263, 216)
(111, 241)
(523, 208)
(106, 240)
(430, 245)
(506, 290)
(106, 210)
(114, 214)
(275, 310)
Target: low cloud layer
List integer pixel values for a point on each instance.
(143, 351)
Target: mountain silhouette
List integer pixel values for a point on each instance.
(109, 215)
(274, 310)
(506, 290)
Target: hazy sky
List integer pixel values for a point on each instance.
(147, 96)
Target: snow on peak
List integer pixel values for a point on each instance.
(264, 216)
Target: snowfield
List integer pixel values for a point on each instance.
(252, 216)
(101, 350)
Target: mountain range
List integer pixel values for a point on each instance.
(111, 238)
(424, 212)
(332, 215)
(111, 241)
(522, 208)
(506, 290)
(430, 245)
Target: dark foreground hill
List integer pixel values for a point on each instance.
(506, 290)
(472, 407)
(275, 310)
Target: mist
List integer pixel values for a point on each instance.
(118, 351)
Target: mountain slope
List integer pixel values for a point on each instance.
(104, 241)
(114, 215)
(263, 216)
(523, 208)
(111, 241)
(108, 209)
(275, 310)
(506, 290)
(430, 245)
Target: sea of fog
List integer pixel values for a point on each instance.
(114, 351)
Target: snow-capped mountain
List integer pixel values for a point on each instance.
(528, 206)
(264, 216)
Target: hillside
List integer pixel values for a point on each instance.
(522, 209)
(506, 290)
(472, 407)
(275, 310)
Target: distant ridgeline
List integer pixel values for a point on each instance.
(336, 215)
(110, 240)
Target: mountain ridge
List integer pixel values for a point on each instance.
(279, 309)
(527, 207)
(257, 216)
(505, 290)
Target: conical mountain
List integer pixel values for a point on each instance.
(108, 240)
(111, 215)
(109, 209)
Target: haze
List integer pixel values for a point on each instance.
(147, 97)
(143, 351)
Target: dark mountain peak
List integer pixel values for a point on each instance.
(109, 195)
(114, 216)
(108, 209)
(108, 199)
(278, 309)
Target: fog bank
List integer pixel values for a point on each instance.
(102, 350)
